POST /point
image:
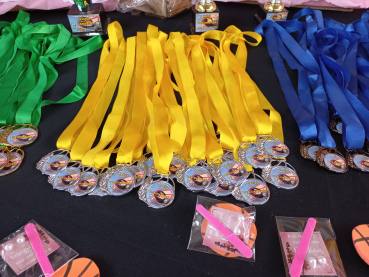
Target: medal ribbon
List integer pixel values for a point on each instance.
(196, 140)
(30, 52)
(108, 56)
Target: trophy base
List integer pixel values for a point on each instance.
(274, 16)
(203, 22)
(93, 23)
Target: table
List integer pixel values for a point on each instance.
(125, 237)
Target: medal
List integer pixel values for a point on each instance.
(139, 174)
(176, 163)
(309, 150)
(229, 172)
(157, 194)
(331, 159)
(86, 183)
(148, 165)
(220, 189)
(67, 177)
(194, 178)
(272, 146)
(358, 159)
(4, 156)
(14, 161)
(99, 191)
(248, 153)
(53, 162)
(282, 175)
(118, 180)
(18, 135)
(227, 155)
(253, 191)
(336, 125)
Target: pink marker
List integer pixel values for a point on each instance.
(298, 260)
(38, 249)
(232, 238)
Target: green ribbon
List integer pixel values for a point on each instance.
(28, 54)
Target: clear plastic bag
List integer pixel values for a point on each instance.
(238, 219)
(18, 259)
(128, 5)
(322, 258)
(158, 8)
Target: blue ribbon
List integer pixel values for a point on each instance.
(334, 58)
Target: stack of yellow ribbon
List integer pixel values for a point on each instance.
(223, 128)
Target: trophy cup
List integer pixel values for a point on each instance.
(273, 10)
(87, 19)
(205, 16)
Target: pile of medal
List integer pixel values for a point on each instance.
(180, 141)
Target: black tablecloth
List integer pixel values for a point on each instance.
(125, 237)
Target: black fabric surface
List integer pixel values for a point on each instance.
(125, 237)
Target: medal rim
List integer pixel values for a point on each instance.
(90, 190)
(44, 159)
(238, 192)
(7, 131)
(22, 157)
(112, 171)
(350, 159)
(260, 144)
(266, 174)
(320, 158)
(190, 187)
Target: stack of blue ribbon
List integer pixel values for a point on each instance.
(332, 60)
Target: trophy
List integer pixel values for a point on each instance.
(273, 10)
(87, 19)
(205, 16)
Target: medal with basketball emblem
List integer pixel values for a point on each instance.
(15, 158)
(309, 150)
(248, 153)
(176, 163)
(253, 191)
(281, 174)
(19, 135)
(194, 178)
(118, 180)
(331, 159)
(358, 159)
(157, 194)
(139, 174)
(272, 146)
(86, 183)
(229, 172)
(4, 156)
(67, 177)
(99, 191)
(336, 125)
(147, 164)
(53, 162)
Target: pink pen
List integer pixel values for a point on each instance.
(232, 238)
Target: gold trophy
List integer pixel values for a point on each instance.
(273, 10)
(203, 6)
(274, 6)
(206, 16)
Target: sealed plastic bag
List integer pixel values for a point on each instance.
(240, 221)
(322, 258)
(18, 257)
